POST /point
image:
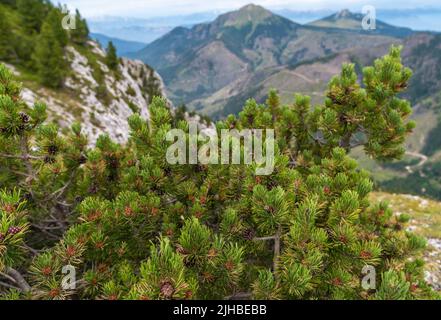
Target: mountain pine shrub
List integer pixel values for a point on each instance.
(135, 227)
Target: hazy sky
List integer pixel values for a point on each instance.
(154, 8)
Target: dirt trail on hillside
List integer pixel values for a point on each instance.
(423, 158)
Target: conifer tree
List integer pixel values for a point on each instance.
(6, 38)
(54, 18)
(112, 57)
(80, 34)
(216, 231)
(49, 54)
(33, 13)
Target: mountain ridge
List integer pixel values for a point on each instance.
(345, 19)
(216, 76)
(200, 63)
(123, 47)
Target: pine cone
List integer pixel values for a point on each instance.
(229, 265)
(128, 211)
(167, 290)
(24, 117)
(46, 271)
(114, 163)
(52, 149)
(249, 234)
(54, 293)
(9, 208)
(70, 251)
(180, 249)
(14, 230)
(82, 159)
(337, 282)
(155, 211)
(188, 294)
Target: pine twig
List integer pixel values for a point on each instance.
(19, 280)
(9, 286)
(265, 238)
(239, 295)
(276, 239)
(25, 156)
(276, 251)
(20, 157)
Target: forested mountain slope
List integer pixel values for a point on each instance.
(73, 75)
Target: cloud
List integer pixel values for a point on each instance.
(152, 8)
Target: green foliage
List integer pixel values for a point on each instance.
(216, 232)
(32, 13)
(151, 85)
(6, 51)
(49, 54)
(54, 19)
(13, 226)
(33, 36)
(80, 34)
(112, 58)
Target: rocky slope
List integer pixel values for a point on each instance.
(98, 98)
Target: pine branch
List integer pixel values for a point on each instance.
(345, 141)
(60, 192)
(19, 279)
(25, 156)
(265, 238)
(277, 251)
(8, 286)
(20, 157)
(34, 251)
(276, 239)
(239, 296)
(7, 276)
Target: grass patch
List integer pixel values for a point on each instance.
(425, 214)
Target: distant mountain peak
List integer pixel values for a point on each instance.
(344, 14)
(348, 20)
(253, 8)
(249, 13)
